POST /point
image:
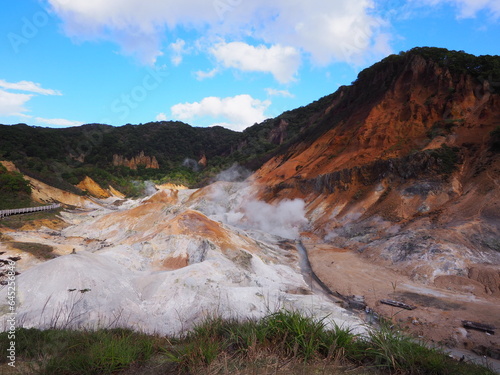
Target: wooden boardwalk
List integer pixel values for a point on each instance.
(17, 211)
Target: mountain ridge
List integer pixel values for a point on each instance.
(68, 155)
(411, 179)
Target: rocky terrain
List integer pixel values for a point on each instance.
(391, 184)
(387, 185)
(163, 263)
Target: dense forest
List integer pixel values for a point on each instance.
(63, 157)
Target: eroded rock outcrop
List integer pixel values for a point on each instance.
(95, 190)
(203, 161)
(134, 162)
(278, 134)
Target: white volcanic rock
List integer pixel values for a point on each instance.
(72, 290)
(161, 265)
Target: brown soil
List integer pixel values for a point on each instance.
(488, 276)
(174, 263)
(441, 308)
(54, 224)
(164, 196)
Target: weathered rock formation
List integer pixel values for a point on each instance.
(203, 161)
(115, 192)
(402, 172)
(134, 162)
(95, 190)
(278, 134)
(170, 186)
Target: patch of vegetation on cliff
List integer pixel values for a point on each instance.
(15, 191)
(447, 158)
(485, 67)
(49, 177)
(40, 251)
(443, 128)
(18, 221)
(283, 342)
(495, 140)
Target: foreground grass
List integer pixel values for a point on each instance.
(283, 342)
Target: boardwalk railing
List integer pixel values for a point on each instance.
(16, 211)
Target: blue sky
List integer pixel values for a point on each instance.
(206, 62)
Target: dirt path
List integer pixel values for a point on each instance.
(439, 312)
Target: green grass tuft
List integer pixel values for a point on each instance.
(81, 352)
(285, 342)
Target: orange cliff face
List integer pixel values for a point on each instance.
(392, 213)
(424, 108)
(400, 165)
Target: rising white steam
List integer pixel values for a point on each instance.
(235, 203)
(285, 219)
(149, 188)
(191, 164)
(235, 173)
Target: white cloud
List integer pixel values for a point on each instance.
(281, 62)
(470, 8)
(238, 112)
(29, 87)
(335, 30)
(57, 122)
(161, 117)
(179, 50)
(13, 103)
(200, 75)
(284, 93)
(137, 26)
(324, 30)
